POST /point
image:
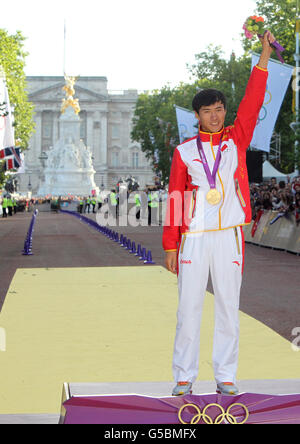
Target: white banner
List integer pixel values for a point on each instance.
(7, 137)
(187, 123)
(278, 82)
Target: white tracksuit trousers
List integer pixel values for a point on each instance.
(221, 254)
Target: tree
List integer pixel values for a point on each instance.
(12, 60)
(155, 125)
(280, 18)
(154, 122)
(212, 70)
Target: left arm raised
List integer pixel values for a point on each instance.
(253, 100)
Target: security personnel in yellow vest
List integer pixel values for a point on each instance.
(113, 203)
(4, 207)
(81, 203)
(153, 203)
(88, 204)
(113, 198)
(10, 206)
(137, 199)
(93, 202)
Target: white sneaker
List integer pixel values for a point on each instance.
(182, 388)
(227, 388)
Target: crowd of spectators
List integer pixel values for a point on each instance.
(278, 196)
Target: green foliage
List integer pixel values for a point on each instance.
(212, 70)
(155, 125)
(12, 60)
(280, 18)
(229, 76)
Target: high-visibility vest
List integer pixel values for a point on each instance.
(113, 199)
(4, 203)
(9, 203)
(137, 200)
(153, 200)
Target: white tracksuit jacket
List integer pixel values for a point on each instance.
(209, 238)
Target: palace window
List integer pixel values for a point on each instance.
(135, 160)
(115, 159)
(115, 131)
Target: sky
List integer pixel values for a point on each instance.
(135, 44)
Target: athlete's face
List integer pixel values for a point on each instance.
(212, 117)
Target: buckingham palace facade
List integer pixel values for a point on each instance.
(106, 124)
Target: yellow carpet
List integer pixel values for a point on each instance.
(109, 325)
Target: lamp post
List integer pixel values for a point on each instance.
(29, 187)
(43, 158)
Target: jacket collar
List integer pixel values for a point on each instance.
(211, 137)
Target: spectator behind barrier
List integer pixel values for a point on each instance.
(282, 197)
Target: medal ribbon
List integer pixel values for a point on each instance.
(211, 177)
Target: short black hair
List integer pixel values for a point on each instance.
(208, 97)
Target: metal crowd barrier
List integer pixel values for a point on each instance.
(275, 230)
(27, 250)
(124, 242)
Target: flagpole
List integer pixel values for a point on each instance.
(65, 50)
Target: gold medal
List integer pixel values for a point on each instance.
(214, 196)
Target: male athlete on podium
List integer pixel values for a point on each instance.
(209, 179)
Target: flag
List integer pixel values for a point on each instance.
(7, 139)
(278, 82)
(187, 123)
(8, 152)
(21, 170)
(13, 161)
(11, 164)
(12, 157)
(5, 152)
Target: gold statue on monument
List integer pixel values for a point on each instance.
(70, 91)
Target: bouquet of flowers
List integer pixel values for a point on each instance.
(256, 26)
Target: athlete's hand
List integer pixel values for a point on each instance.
(171, 261)
(266, 41)
(267, 50)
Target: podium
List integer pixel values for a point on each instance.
(211, 408)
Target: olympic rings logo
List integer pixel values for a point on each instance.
(224, 415)
(270, 98)
(263, 112)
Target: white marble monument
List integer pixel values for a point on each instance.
(69, 167)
